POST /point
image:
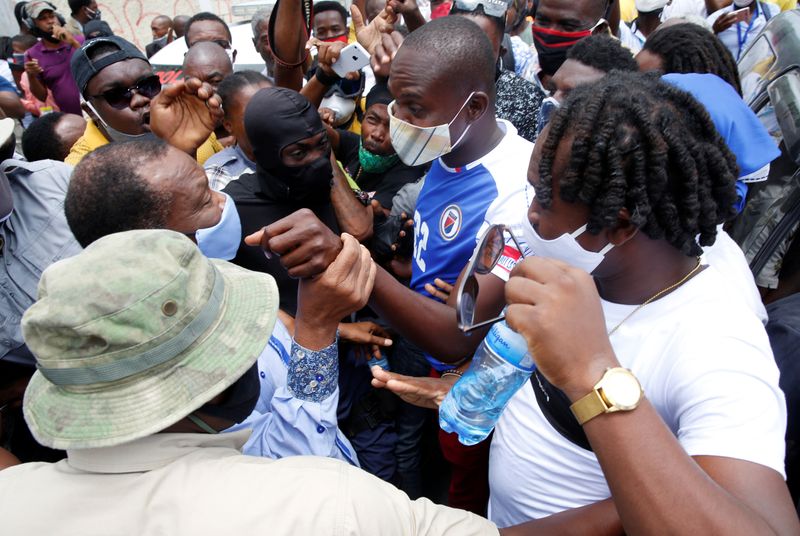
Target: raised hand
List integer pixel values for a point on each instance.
(549, 303)
(185, 113)
(369, 36)
(344, 287)
(384, 53)
(306, 245)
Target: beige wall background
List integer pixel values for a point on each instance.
(131, 18)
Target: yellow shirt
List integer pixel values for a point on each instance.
(92, 139)
(627, 10)
(785, 5)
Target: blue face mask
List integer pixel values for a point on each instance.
(222, 241)
(546, 110)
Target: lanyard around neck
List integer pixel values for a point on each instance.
(743, 39)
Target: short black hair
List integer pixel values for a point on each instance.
(205, 15)
(76, 5)
(329, 5)
(464, 53)
(26, 40)
(604, 53)
(232, 84)
(641, 144)
(40, 141)
(107, 194)
(690, 48)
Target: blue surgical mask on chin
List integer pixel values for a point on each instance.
(564, 248)
(222, 241)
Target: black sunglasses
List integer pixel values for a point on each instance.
(120, 98)
(483, 261)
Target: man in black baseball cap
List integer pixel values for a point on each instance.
(117, 83)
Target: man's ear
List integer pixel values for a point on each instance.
(98, 122)
(624, 229)
(228, 127)
(477, 106)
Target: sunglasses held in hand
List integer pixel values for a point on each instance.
(483, 261)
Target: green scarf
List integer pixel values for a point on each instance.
(375, 163)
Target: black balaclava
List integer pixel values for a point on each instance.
(273, 119)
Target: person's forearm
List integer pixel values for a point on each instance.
(414, 20)
(11, 105)
(657, 487)
(354, 218)
(598, 519)
(38, 88)
(289, 43)
(438, 335)
(314, 91)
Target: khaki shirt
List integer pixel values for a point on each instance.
(196, 484)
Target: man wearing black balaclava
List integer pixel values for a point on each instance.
(293, 171)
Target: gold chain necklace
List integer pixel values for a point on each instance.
(658, 294)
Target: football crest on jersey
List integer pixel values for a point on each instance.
(450, 222)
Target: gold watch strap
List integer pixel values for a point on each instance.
(589, 407)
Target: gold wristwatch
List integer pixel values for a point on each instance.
(617, 390)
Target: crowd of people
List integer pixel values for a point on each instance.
(229, 303)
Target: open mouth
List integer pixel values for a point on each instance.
(146, 121)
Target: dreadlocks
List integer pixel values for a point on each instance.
(689, 48)
(641, 144)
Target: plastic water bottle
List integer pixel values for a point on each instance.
(500, 367)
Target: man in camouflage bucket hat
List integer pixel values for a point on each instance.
(140, 332)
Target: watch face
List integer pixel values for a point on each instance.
(621, 389)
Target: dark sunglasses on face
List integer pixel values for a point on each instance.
(120, 98)
(491, 8)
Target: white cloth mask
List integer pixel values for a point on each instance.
(419, 145)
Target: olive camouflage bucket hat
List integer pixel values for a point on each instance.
(135, 333)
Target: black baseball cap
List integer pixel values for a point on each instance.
(83, 69)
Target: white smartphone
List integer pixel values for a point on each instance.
(352, 58)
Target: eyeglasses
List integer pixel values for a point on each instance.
(491, 8)
(120, 98)
(484, 259)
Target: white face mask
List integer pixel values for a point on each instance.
(564, 248)
(222, 241)
(342, 108)
(420, 145)
(115, 134)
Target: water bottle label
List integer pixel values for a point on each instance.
(510, 345)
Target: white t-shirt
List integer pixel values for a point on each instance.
(704, 362)
(728, 258)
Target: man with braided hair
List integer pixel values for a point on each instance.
(631, 181)
(639, 170)
(688, 48)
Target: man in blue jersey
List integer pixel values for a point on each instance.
(444, 113)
